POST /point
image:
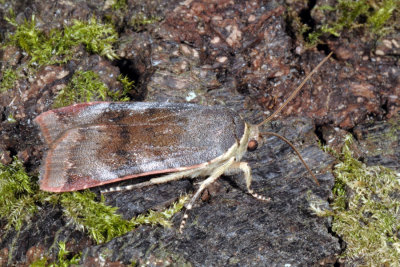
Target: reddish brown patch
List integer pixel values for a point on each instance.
(3, 257)
(363, 90)
(43, 128)
(35, 253)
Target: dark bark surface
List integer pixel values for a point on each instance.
(238, 54)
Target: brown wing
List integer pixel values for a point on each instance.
(107, 142)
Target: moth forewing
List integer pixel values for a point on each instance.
(110, 142)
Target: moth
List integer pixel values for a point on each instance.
(97, 143)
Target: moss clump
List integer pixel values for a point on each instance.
(58, 45)
(62, 260)
(62, 257)
(97, 37)
(374, 16)
(127, 85)
(102, 222)
(19, 194)
(8, 79)
(365, 211)
(86, 86)
(99, 220)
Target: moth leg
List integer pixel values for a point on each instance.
(159, 180)
(244, 167)
(211, 179)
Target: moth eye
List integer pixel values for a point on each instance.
(252, 145)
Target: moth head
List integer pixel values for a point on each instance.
(255, 139)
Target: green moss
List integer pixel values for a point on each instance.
(102, 222)
(160, 217)
(381, 14)
(99, 220)
(10, 118)
(97, 37)
(297, 27)
(375, 16)
(8, 79)
(394, 132)
(328, 149)
(127, 86)
(365, 211)
(139, 20)
(390, 134)
(62, 258)
(42, 262)
(19, 194)
(86, 86)
(119, 4)
(58, 46)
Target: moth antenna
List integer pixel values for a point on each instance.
(297, 152)
(295, 91)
